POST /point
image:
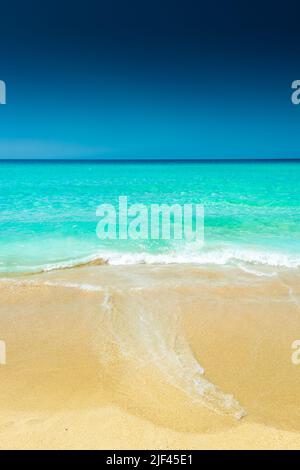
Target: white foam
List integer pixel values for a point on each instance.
(255, 272)
(75, 285)
(70, 285)
(215, 256)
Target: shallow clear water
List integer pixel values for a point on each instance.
(48, 212)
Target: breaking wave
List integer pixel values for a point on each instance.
(240, 257)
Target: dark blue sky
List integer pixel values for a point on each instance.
(159, 79)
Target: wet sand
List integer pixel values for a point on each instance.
(111, 357)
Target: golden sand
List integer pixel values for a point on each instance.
(110, 357)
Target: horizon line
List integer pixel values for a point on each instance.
(148, 160)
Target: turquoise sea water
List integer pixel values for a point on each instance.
(48, 212)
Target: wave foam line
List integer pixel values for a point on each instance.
(69, 285)
(220, 257)
(214, 257)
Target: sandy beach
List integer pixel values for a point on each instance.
(150, 228)
(111, 357)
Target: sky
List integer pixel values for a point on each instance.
(161, 79)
